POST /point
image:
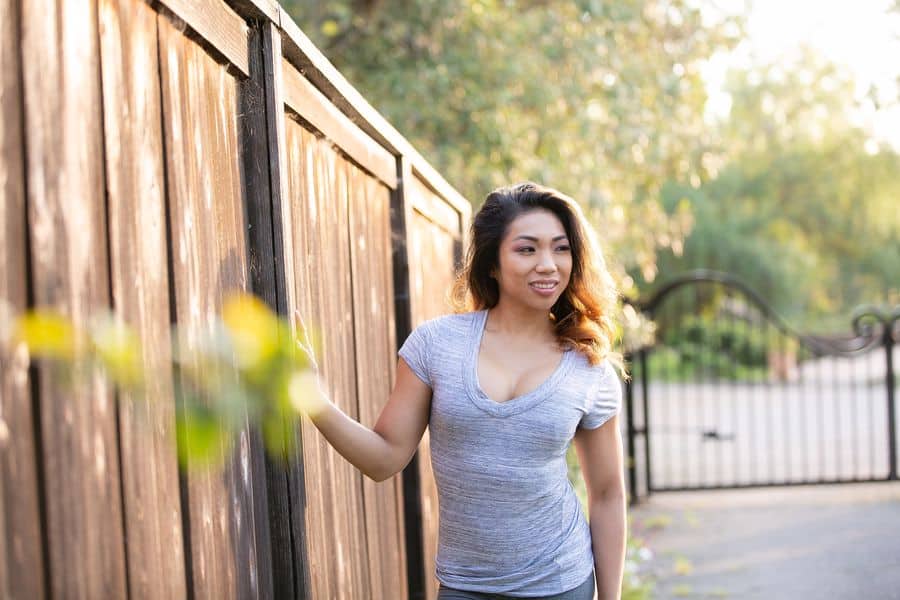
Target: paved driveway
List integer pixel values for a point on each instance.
(807, 542)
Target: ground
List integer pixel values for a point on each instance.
(803, 542)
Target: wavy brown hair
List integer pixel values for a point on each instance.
(583, 313)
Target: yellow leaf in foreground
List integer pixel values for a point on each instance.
(47, 334)
(253, 328)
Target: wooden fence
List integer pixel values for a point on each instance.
(156, 156)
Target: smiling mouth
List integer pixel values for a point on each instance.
(544, 286)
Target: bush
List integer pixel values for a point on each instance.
(701, 347)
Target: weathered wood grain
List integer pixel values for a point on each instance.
(336, 549)
(392, 535)
(286, 496)
(266, 256)
(373, 320)
(21, 560)
(265, 10)
(67, 225)
(432, 251)
(143, 199)
(433, 207)
(308, 278)
(345, 499)
(209, 261)
(431, 272)
(432, 269)
(400, 215)
(222, 28)
(297, 215)
(140, 286)
(313, 107)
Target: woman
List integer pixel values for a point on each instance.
(504, 387)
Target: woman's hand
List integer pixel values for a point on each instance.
(306, 389)
(381, 452)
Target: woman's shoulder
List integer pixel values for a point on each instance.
(600, 371)
(449, 324)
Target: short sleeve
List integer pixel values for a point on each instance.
(415, 351)
(604, 398)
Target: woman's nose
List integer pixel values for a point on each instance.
(546, 262)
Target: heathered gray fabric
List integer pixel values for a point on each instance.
(585, 591)
(510, 522)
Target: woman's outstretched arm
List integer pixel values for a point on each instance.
(600, 455)
(386, 449)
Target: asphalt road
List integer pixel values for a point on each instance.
(817, 542)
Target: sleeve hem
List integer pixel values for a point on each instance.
(414, 370)
(601, 422)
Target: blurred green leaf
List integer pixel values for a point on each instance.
(202, 436)
(119, 351)
(279, 430)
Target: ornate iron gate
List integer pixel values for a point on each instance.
(730, 396)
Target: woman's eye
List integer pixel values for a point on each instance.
(526, 249)
(563, 248)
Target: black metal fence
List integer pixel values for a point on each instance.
(729, 395)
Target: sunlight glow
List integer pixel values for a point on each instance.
(861, 37)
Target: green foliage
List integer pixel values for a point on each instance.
(603, 100)
(803, 206)
(699, 347)
(246, 368)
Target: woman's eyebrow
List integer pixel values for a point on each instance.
(534, 239)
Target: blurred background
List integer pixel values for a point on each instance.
(759, 138)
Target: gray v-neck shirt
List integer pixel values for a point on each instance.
(509, 520)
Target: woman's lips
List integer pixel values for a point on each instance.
(544, 288)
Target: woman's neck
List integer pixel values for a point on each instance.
(519, 321)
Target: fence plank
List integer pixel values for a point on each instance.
(140, 285)
(431, 255)
(313, 107)
(299, 217)
(69, 261)
(221, 27)
(373, 319)
(291, 572)
(433, 207)
(21, 559)
(384, 238)
(209, 260)
(265, 250)
(326, 561)
(339, 368)
(318, 230)
(264, 10)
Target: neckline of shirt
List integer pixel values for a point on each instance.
(519, 403)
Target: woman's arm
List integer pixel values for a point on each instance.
(600, 454)
(386, 449)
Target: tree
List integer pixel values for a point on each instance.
(601, 100)
(804, 206)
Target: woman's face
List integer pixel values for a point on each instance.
(535, 260)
